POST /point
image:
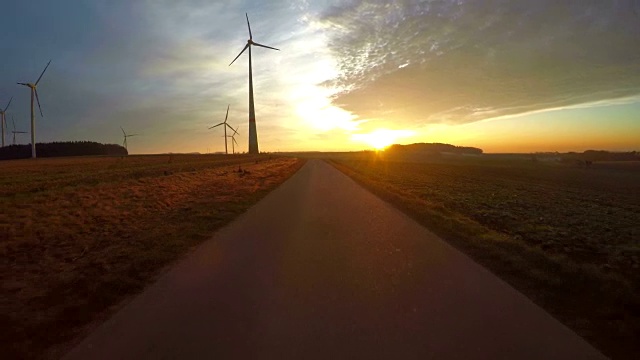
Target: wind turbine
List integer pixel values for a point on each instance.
(15, 132)
(3, 120)
(225, 125)
(253, 135)
(34, 91)
(233, 139)
(124, 143)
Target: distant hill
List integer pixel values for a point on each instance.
(603, 155)
(64, 148)
(433, 148)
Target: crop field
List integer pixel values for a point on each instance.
(79, 235)
(565, 236)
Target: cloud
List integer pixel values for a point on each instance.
(446, 61)
(161, 67)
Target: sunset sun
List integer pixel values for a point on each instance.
(381, 138)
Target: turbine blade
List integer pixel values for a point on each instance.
(123, 133)
(25, 84)
(234, 140)
(226, 116)
(14, 123)
(216, 125)
(265, 46)
(45, 69)
(5, 109)
(245, 48)
(38, 99)
(249, 26)
(232, 129)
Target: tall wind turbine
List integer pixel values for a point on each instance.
(225, 125)
(15, 131)
(253, 135)
(34, 91)
(124, 143)
(3, 120)
(233, 139)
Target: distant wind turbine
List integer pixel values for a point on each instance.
(15, 131)
(253, 134)
(3, 120)
(225, 125)
(233, 139)
(34, 91)
(124, 143)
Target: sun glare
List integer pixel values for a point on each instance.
(318, 113)
(381, 138)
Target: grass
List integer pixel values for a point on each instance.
(566, 237)
(79, 235)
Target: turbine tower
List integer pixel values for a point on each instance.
(34, 91)
(124, 143)
(253, 135)
(233, 139)
(225, 125)
(15, 131)
(3, 120)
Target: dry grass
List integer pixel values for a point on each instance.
(565, 237)
(79, 235)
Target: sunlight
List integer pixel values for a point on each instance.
(319, 114)
(382, 138)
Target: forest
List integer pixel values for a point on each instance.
(62, 148)
(434, 148)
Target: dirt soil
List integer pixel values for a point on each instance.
(78, 235)
(567, 237)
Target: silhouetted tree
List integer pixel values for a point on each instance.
(435, 148)
(63, 148)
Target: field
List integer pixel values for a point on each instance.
(78, 235)
(565, 236)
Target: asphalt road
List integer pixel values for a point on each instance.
(321, 268)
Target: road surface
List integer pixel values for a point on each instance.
(321, 268)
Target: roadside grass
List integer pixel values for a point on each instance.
(80, 235)
(566, 238)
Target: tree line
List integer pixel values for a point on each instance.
(435, 148)
(62, 148)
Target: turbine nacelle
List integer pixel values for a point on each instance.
(251, 42)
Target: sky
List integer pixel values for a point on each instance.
(502, 75)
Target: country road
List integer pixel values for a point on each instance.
(323, 269)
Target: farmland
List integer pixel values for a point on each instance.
(565, 236)
(78, 235)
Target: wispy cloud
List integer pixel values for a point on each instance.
(462, 61)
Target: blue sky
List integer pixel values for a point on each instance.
(502, 75)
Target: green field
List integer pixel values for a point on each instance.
(566, 236)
